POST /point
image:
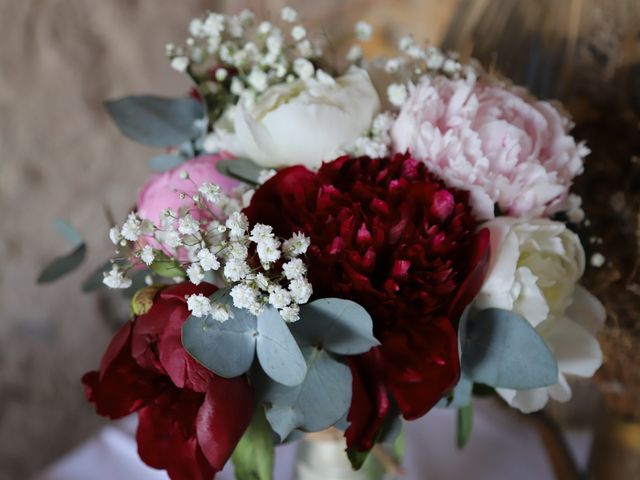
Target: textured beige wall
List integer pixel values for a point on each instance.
(60, 157)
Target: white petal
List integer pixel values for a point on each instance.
(526, 401)
(575, 349)
(586, 310)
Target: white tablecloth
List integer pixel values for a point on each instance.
(502, 446)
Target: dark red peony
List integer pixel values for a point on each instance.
(190, 420)
(391, 236)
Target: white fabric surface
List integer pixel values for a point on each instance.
(502, 446)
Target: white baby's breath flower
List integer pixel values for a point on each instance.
(245, 297)
(363, 30)
(406, 42)
(397, 94)
(262, 281)
(167, 219)
(170, 238)
(238, 251)
(195, 274)
(208, 260)
(298, 33)
(261, 232)
(236, 269)
(211, 192)
(115, 279)
(220, 312)
(132, 228)
(382, 123)
(597, 260)
(305, 48)
(289, 14)
(188, 225)
(237, 223)
(294, 268)
(451, 67)
(258, 80)
(221, 74)
(393, 65)
(268, 250)
(180, 63)
(290, 313)
(114, 235)
(237, 86)
(147, 255)
(301, 290)
(303, 68)
(279, 297)
(264, 27)
(296, 245)
(274, 43)
(199, 305)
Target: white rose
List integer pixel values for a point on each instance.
(304, 122)
(535, 268)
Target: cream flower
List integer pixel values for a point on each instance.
(534, 272)
(303, 122)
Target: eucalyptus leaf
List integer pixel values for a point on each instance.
(460, 396)
(94, 281)
(63, 265)
(157, 121)
(164, 162)
(502, 349)
(253, 456)
(464, 425)
(317, 403)
(278, 353)
(241, 169)
(69, 233)
(226, 348)
(339, 326)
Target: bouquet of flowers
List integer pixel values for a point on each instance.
(338, 245)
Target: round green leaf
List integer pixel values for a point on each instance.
(502, 349)
(339, 326)
(156, 121)
(278, 353)
(226, 348)
(317, 403)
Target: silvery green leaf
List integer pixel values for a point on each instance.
(157, 121)
(226, 348)
(69, 233)
(340, 326)
(241, 169)
(317, 403)
(278, 353)
(502, 349)
(460, 396)
(63, 265)
(94, 280)
(164, 162)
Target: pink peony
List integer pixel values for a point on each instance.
(162, 190)
(494, 140)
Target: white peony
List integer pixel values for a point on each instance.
(303, 122)
(535, 269)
